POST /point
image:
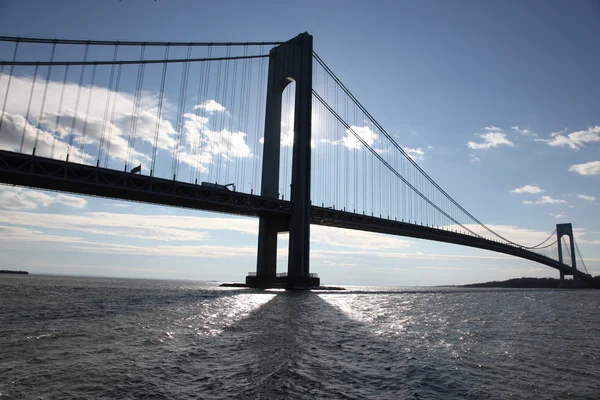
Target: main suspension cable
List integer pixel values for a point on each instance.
(580, 257)
(129, 43)
(374, 152)
(399, 148)
(538, 245)
(127, 62)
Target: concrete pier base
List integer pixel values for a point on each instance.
(283, 282)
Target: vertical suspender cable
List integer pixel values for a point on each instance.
(347, 165)
(258, 124)
(112, 117)
(87, 113)
(228, 156)
(59, 111)
(215, 129)
(241, 118)
(194, 135)
(222, 130)
(580, 257)
(10, 74)
(74, 120)
(41, 117)
(136, 106)
(106, 107)
(200, 126)
(244, 123)
(204, 112)
(252, 154)
(26, 122)
(180, 108)
(161, 96)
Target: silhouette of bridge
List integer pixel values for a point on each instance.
(96, 118)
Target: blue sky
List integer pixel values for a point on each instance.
(497, 96)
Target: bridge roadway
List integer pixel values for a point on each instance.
(45, 173)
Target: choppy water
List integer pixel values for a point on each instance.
(66, 337)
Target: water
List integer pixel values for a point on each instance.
(71, 337)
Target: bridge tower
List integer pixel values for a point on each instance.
(561, 230)
(288, 62)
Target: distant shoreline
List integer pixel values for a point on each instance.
(8, 271)
(535, 283)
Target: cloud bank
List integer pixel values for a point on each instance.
(492, 138)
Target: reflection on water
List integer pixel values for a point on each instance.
(212, 318)
(76, 337)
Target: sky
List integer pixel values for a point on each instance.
(497, 101)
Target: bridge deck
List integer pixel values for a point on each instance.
(39, 172)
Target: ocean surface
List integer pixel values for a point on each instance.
(100, 338)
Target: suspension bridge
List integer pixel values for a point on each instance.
(262, 129)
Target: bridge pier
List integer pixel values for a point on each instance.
(289, 62)
(562, 230)
(562, 279)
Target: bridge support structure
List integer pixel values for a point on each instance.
(562, 230)
(288, 62)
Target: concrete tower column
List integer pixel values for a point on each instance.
(289, 62)
(561, 230)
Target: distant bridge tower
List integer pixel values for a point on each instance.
(289, 62)
(561, 230)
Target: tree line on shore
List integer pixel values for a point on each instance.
(539, 283)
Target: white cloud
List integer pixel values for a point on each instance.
(545, 200)
(71, 201)
(58, 133)
(554, 134)
(355, 239)
(14, 126)
(229, 144)
(25, 235)
(338, 264)
(16, 198)
(474, 158)
(528, 189)
(492, 128)
(575, 140)
(590, 168)
(442, 268)
(211, 106)
(558, 215)
(22, 236)
(586, 197)
(113, 129)
(179, 228)
(287, 138)
(416, 154)
(151, 227)
(364, 132)
(205, 144)
(522, 131)
(359, 243)
(493, 137)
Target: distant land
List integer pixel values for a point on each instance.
(549, 283)
(8, 271)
